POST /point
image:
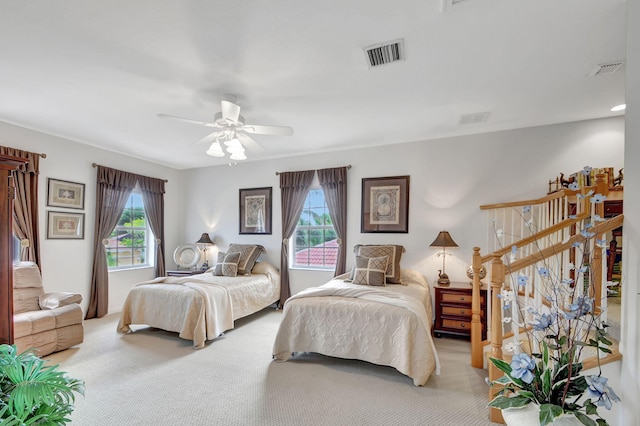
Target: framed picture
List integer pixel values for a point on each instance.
(385, 204)
(255, 211)
(61, 193)
(65, 226)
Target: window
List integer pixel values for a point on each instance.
(315, 242)
(129, 244)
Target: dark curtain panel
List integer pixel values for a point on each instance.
(153, 199)
(112, 192)
(294, 187)
(334, 185)
(25, 206)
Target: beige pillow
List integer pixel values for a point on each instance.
(55, 300)
(393, 252)
(249, 253)
(227, 265)
(370, 270)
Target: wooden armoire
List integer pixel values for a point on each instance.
(8, 164)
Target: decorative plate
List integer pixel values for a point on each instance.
(482, 274)
(187, 255)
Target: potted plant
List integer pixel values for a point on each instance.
(545, 375)
(32, 393)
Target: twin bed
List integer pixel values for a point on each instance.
(200, 307)
(388, 323)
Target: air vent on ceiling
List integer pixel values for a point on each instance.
(384, 53)
(606, 68)
(474, 118)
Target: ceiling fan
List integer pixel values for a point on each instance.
(232, 132)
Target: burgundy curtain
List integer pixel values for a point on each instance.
(112, 192)
(25, 206)
(153, 199)
(334, 185)
(294, 187)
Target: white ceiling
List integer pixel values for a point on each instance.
(98, 72)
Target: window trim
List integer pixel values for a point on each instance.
(292, 240)
(150, 246)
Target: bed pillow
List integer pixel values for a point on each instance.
(249, 253)
(227, 265)
(393, 252)
(370, 270)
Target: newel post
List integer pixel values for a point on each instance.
(477, 360)
(497, 279)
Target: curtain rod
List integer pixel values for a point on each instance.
(278, 173)
(42, 154)
(94, 165)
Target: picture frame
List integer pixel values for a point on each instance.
(65, 225)
(385, 205)
(255, 211)
(62, 193)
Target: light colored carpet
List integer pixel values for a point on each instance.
(152, 377)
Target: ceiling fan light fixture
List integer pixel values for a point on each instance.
(235, 142)
(238, 156)
(215, 150)
(235, 149)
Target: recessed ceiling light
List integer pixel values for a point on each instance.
(619, 107)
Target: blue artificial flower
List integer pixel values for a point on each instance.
(574, 186)
(526, 209)
(542, 322)
(587, 234)
(523, 280)
(567, 281)
(514, 249)
(600, 391)
(583, 269)
(576, 245)
(522, 366)
(586, 171)
(598, 199)
(544, 272)
(581, 306)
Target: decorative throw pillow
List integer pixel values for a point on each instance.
(393, 252)
(249, 253)
(227, 265)
(370, 270)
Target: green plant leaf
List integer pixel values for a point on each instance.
(503, 402)
(584, 419)
(548, 412)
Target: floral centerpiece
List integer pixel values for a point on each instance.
(559, 334)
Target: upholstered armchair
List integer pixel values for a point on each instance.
(48, 322)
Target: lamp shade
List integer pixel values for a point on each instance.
(443, 240)
(204, 239)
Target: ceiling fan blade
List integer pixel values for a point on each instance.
(188, 120)
(208, 139)
(267, 130)
(230, 111)
(249, 143)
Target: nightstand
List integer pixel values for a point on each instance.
(183, 272)
(453, 310)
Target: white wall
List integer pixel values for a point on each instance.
(450, 179)
(630, 376)
(66, 264)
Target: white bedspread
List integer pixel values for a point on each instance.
(384, 325)
(199, 307)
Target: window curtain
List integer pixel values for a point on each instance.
(294, 187)
(153, 199)
(334, 185)
(112, 192)
(25, 207)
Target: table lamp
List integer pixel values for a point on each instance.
(443, 240)
(205, 241)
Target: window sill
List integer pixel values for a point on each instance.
(303, 268)
(131, 269)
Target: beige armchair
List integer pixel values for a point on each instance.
(48, 322)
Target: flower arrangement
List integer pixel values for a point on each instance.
(559, 333)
